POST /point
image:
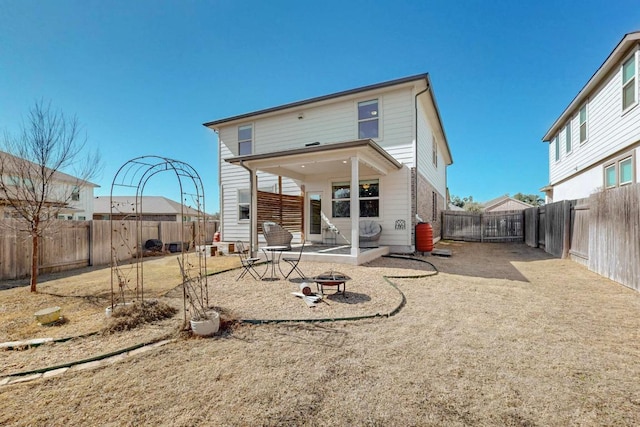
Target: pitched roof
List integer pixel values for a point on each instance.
(504, 199)
(151, 205)
(612, 61)
(424, 77)
(58, 176)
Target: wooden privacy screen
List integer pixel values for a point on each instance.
(281, 208)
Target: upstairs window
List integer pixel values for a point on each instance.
(567, 136)
(629, 83)
(368, 118)
(245, 139)
(75, 194)
(556, 142)
(583, 123)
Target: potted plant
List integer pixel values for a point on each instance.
(203, 321)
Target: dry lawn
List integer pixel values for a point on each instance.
(503, 335)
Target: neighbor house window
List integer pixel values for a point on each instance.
(567, 137)
(368, 117)
(583, 123)
(625, 171)
(610, 176)
(75, 194)
(556, 142)
(244, 199)
(368, 196)
(629, 82)
(619, 171)
(434, 151)
(245, 139)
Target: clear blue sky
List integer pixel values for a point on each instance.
(142, 76)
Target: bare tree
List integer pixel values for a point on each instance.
(33, 186)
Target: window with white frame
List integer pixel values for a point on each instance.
(244, 202)
(556, 143)
(368, 198)
(625, 171)
(75, 194)
(610, 176)
(567, 137)
(629, 86)
(369, 193)
(434, 151)
(368, 119)
(620, 171)
(245, 139)
(583, 123)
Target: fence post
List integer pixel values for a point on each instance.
(566, 231)
(90, 242)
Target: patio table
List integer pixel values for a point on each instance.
(276, 253)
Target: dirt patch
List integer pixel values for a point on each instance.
(503, 335)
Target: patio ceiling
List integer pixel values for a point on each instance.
(322, 159)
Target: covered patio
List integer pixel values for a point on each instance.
(317, 162)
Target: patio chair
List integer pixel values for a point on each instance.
(247, 262)
(370, 232)
(293, 261)
(275, 235)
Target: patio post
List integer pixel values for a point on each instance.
(355, 206)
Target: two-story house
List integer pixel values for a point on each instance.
(68, 197)
(594, 143)
(377, 152)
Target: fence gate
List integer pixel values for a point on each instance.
(504, 226)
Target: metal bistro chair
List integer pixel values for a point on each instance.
(247, 262)
(293, 262)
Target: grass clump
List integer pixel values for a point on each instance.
(139, 313)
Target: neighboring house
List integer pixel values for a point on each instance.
(505, 203)
(593, 145)
(151, 208)
(386, 140)
(79, 205)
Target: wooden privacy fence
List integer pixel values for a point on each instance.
(284, 209)
(504, 226)
(601, 232)
(73, 244)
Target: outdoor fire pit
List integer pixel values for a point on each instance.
(331, 278)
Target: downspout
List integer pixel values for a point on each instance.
(251, 207)
(415, 179)
(221, 192)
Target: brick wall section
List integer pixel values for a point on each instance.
(425, 204)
